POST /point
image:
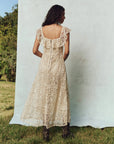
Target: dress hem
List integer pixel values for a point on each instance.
(42, 124)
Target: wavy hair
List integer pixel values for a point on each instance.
(54, 15)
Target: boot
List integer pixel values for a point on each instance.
(66, 131)
(45, 134)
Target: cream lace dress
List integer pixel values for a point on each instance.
(48, 100)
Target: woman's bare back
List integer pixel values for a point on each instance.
(52, 31)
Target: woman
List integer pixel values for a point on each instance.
(48, 102)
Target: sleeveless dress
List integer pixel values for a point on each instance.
(48, 100)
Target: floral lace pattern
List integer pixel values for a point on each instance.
(48, 100)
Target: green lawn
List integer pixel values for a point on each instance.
(7, 93)
(18, 134)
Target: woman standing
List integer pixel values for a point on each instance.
(48, 102)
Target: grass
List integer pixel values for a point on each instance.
(7, 92)
(19, 134)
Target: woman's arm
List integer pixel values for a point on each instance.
(36, 47)
(66, 52)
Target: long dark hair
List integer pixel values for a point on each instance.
(54, 15)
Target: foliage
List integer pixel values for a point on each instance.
(8, 44)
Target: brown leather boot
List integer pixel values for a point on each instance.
(45, 133)
(66, 131)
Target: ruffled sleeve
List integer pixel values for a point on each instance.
(67, 30)
(64, 35)
(38, 34)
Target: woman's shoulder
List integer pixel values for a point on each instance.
(67, 29)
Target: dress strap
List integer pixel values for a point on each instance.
(42, 32)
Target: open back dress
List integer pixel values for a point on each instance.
(48, 101)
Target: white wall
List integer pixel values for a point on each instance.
(90, 66)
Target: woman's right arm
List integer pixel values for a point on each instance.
(37, 44)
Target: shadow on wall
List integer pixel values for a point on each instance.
(79, 67)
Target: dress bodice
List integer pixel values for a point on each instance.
(53, 43)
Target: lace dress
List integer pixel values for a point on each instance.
(48, 100)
